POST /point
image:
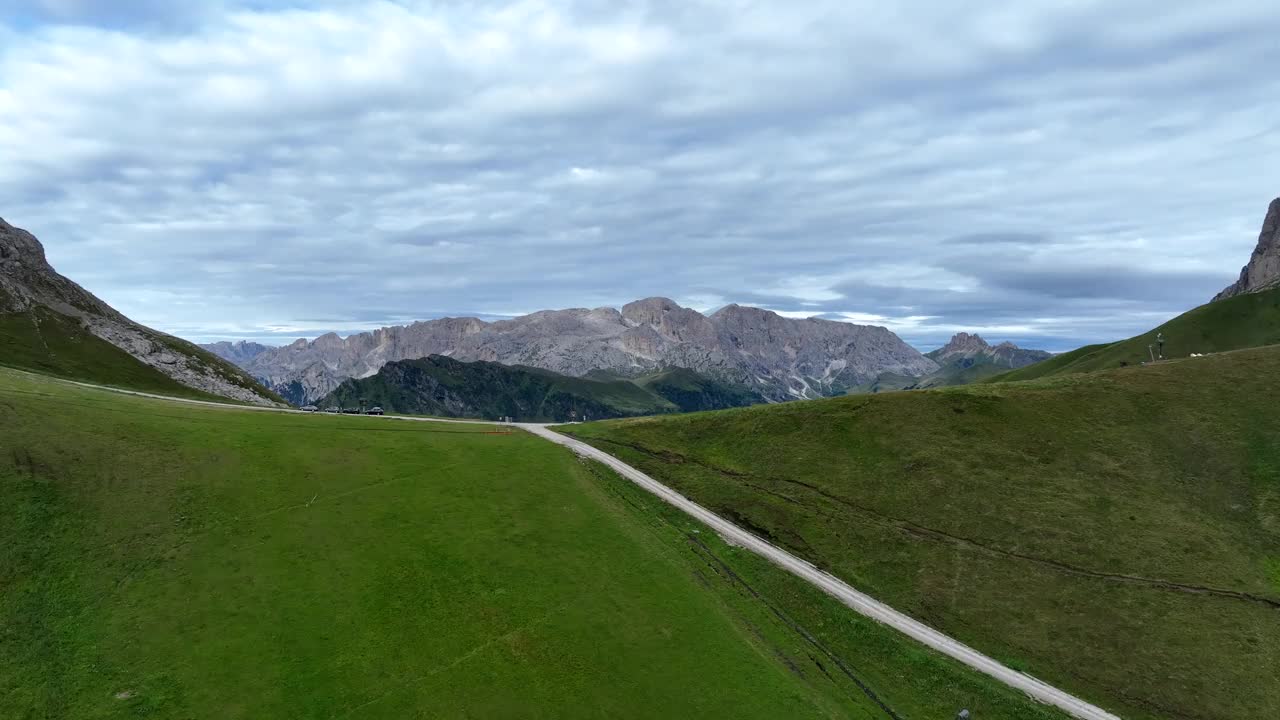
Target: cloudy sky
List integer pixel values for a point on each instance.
(1049, 172)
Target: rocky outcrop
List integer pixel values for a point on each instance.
(775, 357)
(1263, 270)
(29, 284)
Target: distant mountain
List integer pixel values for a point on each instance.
(968, 358)
(51, 325)
(965, 359)
(442, 386)
(239, 352)
(771, 356)
(1263, 270)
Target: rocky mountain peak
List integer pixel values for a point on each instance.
(668, 319)
(1263, 270)
(964, 342)
(18, 246)
(735, 313)
(27, 279)
(968, 349)
(328, 340)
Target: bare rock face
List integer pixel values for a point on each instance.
(1263, 270)
(779, 358)
(27, 281)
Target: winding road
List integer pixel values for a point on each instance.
(826, 582)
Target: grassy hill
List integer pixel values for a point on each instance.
(960, 372)
(445, 387)
(689, 391)
(1236, 323)
(46, 342)
(172, 561)
(1116, 534)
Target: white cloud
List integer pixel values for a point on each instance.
(219, 166)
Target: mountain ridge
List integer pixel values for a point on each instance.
(778, 358)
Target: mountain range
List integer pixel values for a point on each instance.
(52, 325)
(771, 356)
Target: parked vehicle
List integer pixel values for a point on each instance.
(309, 408)
(333, 410)
(374, 411)
(350, 411)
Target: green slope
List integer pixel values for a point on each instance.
(167, 561)
(960, 373)
(1116, 534)
(52, 344)
(1053, 366)
(1236, 323)
(692, 392)
(444, 387)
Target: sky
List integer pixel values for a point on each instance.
(1052, 173)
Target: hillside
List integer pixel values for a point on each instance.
(445, 387)
(169, 561)
(51, 325)
(757, 350)
(1234, 323)
(1116, 534)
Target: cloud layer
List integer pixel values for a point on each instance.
(1047, 174)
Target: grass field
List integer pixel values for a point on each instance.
(1116, 534)
(171, 561)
